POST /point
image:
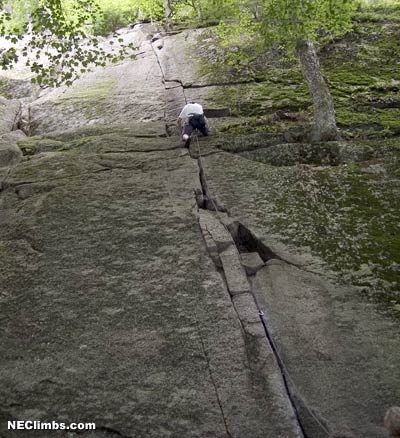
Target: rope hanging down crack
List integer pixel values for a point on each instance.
(290, 386)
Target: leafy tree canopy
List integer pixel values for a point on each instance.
(150, 9)
(288, 22)
(49, 35)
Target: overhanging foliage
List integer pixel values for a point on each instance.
(55, 40)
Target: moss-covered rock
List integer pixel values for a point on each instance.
(34, 145)
(255, 99)
(327, 154)
(11, 88)
(362, 72)
(361, 69)
(347, 215)
(10, 154)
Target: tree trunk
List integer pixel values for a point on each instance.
(198, 10)
(324, 128)
(168, 13)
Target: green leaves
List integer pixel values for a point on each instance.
(283, 22)
(57, 43)
(151, 9)
(288, 22)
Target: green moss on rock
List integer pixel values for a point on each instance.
(90, 100)
(360, 68)
(346, 215)
(36, 144)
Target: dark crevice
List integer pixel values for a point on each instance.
(176, 81)
(18, 120)
(173, 88)
(215, 84)
(128, 151)
(246, 241)
(3, 181)
(207, 358)
(106, 169)
(208, 203)
(283, 370)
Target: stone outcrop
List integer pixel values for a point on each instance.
(331, 341)
(10, 153)
(113, 310)
(330, 153)
(161, 292)
(9, 110)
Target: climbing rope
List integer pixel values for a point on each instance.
(291, 387)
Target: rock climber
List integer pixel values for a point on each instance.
(191, 118)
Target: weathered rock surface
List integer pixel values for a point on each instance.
(120, 94)
(18, 88)
(112, 311)
(10, 153)
(322, 215)
(251, 261)
(110, 300)
(9, 110)
(332, 153)
(177, 59)
(112, 308)
(340, 354)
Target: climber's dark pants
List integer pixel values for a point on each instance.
(195, 122)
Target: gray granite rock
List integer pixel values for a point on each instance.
(340, 350)
(210, 222)
(10, 154)
(331, 153)
(112, 309)
(328, 338)
(9, 110)
(251, 262)
(103, 97)
(234, 272)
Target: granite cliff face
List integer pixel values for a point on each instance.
(129, 301)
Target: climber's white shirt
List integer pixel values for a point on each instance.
(191, 109)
